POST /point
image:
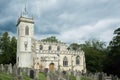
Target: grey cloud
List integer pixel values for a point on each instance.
(64, 18)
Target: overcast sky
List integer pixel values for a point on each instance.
(69, 20)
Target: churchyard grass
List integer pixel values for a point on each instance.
(42, 76)
(71, 77)
(84, 78)
(4, 76)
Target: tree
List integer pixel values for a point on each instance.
(74, 46)
(8, 47)
(112, 64)
(95, 52)
(13, 50)
(51, 39)
(5, 44)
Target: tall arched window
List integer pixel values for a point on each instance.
(65, 61)
(49, 48)
(26, 30)
(58, 48)
(77, 60)
(41, 47)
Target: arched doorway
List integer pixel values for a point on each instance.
(51, 66)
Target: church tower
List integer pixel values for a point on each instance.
(25, 33)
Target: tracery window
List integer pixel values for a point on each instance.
(49, 48)
(41, 47)
(77, 60)
(26, 30)
(65, 61)
(58, 48)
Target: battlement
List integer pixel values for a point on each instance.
(68, 52)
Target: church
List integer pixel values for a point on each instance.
(40, 55)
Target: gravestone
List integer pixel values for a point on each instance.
(2, 67)
(108, 78)
(6, 68)
(32, 74)
(36, 77)
(78, 76)
(10, 68)
(100, 76)
(95, 76)
(48, 78)
(69, 72)
(19, 71)
(19, 77)
(75, 72)
(28, 72)
(46, 71)
(64, 74)
(14, 72)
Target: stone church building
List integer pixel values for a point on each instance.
(38, 54)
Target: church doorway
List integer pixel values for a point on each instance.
(51, 66)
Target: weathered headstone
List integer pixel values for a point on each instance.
(10, 68)
(2, 67)
(100, 76)
(36, 77)
(75, 73)
(28, 72)
(48, 78)
(14, 72)
(6, 68)
(46, 71)
(19, 71)
(19, 77)
(78, 76)
(32, 74)
(69, 72)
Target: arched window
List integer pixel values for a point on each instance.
(49, 48)
(41, 47)
(77, 60)
(58, 48)
(26, 30)
(65, 61)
